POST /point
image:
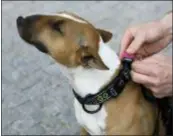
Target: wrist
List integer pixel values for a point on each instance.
(166, 23)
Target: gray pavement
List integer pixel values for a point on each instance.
(36, 97)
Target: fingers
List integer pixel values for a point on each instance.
(142, 67)
(144, 40)
(146, 71)
(126, 40)
(149, 67)
(141, 78)
(155, 73)
(148, 82)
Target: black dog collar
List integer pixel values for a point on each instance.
(112, 90)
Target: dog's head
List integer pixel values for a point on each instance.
(69, 39)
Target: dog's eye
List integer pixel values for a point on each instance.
(85, 59)
(58, 26)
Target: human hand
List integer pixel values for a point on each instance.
(155, 73)
(147, 39)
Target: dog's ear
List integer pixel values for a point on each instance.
(106, 36)
(91, 59)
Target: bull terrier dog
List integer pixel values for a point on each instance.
(84, 56)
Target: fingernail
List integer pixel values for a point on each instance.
(128, 51)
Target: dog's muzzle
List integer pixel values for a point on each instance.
(24, 26)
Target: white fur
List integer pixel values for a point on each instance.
(66, 15)
(87, 81)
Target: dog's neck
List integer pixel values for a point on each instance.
(89, 81)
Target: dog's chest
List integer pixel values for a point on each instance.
(95, 124)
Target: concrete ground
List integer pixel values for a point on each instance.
(36, 97)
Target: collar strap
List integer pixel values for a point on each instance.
(112, 90)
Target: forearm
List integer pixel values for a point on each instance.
(166, 22)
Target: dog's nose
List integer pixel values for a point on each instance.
(20, 20)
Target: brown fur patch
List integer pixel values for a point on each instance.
(130, 113)
(63, 46)
(64, 39)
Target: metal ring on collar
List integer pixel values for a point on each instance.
(91, 112)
